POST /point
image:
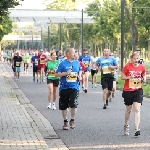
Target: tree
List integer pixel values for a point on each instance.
(5, 27)
(137, 13)
(4, 5)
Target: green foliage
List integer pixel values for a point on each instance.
(5, 27)
(4, 5)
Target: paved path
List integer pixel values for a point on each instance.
(20, 130)
(95, 128)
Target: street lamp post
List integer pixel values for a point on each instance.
(122, 33)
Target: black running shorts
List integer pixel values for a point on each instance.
(55, 82)
(35, 69)
(93, 72)
(107, 83)
(68, 98)
(132, 96)
(26, 65)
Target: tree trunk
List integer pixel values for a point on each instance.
(133, 27)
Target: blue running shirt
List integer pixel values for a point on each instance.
(69, 81)
(86, 61)
(104, 63)
(35, 60)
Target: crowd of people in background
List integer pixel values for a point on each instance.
(71, 70)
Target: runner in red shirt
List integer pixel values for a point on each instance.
(81, 63)
(41, 65)
(134, 75)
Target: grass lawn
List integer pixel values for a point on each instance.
(120, 84)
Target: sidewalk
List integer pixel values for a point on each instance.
(22, 126)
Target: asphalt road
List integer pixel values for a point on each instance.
(96, 128)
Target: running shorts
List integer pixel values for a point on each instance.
(68, 98)
(132, 96)
(93, 72)
(55, 82)
(17, 69)
(35, 69)
(107, 83)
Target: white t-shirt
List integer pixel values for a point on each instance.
(93, 62)
(47, 53)
(117, 59)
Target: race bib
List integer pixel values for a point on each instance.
(86, 64)
(36, 62)
(17, 64)
(72, 77)
(135, 83)
(51, 74)
(42, 61)
(106, 70)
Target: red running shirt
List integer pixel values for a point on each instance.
(41, 61)
(135, 83)
(82, 65)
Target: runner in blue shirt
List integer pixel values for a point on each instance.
(69, 71)
(34, 61)
(107, 64)
(86, 60)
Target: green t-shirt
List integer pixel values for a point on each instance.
(26, 58)
(51, 67)
(9, 55)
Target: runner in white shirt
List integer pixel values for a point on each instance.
(94, 70)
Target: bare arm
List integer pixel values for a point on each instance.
(144, 78)
(61, 74)
(124, 77)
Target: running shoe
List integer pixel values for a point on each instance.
(49, 106)
(137, 132)
(72, 125)
(92, 85)
(65, 127)
(54, 106)
(105, 106)
(126, 130)
(95, 86)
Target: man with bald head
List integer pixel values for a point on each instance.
(69, 71)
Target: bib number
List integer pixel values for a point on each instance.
(135, 83)
(36, 62)
(42, 62)
(51, 74)
(106, 70)
(17, 64)
(72, 77)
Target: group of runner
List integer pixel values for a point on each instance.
(70, 70)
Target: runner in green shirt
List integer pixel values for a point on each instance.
(26, 60)
(52, 80)
(9, 58)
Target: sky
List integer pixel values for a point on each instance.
(31, 4)
(38, 4)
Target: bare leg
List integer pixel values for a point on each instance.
(136, 107)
